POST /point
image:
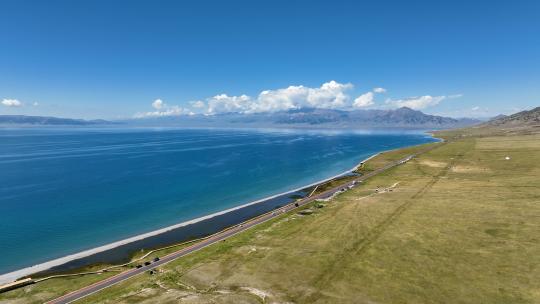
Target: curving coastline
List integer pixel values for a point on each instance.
(11, 276)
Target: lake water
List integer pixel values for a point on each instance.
(64, 191)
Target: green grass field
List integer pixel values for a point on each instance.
(461, 225)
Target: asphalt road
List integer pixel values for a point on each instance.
(220, 236)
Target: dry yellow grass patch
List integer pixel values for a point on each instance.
(525, 142)
(432, 163)
(470, 169)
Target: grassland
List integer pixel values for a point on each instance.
(462, 225)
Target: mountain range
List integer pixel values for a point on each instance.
(45, 120)
(315, 118)
(301, 118)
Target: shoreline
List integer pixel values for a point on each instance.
(14, 275)
(89, 253)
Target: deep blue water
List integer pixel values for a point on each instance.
(64, 191)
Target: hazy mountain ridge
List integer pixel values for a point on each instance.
(401, 117)
(46, 120)
(300, 118)
(313, 118)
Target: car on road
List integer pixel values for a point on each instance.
(138, 266)
(156, 259)
(147, 263)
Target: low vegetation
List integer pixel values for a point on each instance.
(458, 224)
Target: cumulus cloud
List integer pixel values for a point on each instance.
(330, 95)
(169, 111)
(417, 103)
(198, 107)
(223, 103)
(367, 99)
(364, 100)
(281, 99)
(11, 103)
(476, 108)
(197, 104)
(162, 109)
(35, 104)
(157, 104)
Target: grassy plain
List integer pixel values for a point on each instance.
(462, 225)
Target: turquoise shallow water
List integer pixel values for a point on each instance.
(64, 191)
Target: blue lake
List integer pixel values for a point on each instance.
(63, 191)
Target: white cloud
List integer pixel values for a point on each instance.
(11, 103)
(157, 104)
(417, 103)
(35, 104)
(169, 111)
(291, 97)
(367, 99)
(364, 100)
(476, 108)
(198, 104)
(198, 107)
(330, 95)
(162, 109)
(421, 102)
(223, 103)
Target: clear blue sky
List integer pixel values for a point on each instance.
(110, 59)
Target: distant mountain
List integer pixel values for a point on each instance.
(42, 120)
(300, 118)
(523, 118)
(316, 118)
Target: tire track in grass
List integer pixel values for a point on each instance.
(360, 246)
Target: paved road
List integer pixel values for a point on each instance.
(221, 236)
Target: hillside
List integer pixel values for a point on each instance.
(523, 118)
